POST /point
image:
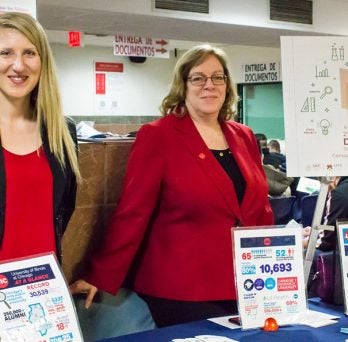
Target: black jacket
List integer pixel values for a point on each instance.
(270, 158)
(338, 210)
(64, 189)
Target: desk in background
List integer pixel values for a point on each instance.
(329, 333)
(102, 166)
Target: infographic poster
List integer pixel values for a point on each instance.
(315, 90)
(35, 303)
(268, 265)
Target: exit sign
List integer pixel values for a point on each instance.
(74, 38)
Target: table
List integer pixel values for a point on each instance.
(284, 334)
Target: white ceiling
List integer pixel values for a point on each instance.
(75, 15)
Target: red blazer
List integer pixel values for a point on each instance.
(178, 205)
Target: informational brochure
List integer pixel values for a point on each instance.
(342, 236)
(268, 265)
(35, 302)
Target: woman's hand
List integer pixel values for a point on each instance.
(82, 286)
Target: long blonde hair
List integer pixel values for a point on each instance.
(45, 98)
(175, 100)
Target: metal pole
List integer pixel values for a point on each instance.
(316, 226)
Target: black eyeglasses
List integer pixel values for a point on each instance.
(202, 79)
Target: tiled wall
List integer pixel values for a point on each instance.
(102, 166)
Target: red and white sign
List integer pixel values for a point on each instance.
(74, 38)
(140, 46)
(109, 80)
(99, 83)
(108, 67)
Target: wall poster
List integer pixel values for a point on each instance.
(315, 91)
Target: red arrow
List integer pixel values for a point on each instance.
(161, 42)
(161, 50)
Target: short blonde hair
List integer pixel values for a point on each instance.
(175, 100)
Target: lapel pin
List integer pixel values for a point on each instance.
(201, 155)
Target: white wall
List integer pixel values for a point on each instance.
(144, 84)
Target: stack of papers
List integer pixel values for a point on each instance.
(86, 132)
(311, 318)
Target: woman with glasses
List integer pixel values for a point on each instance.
(191, 176)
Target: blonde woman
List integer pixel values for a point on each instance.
(38, 152)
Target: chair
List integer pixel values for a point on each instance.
(296, 210)
(307, 205)
(282, 209)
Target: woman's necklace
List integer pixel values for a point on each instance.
(222, 153)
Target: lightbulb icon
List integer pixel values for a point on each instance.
(325, 125)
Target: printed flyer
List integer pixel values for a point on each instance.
(342, 236)
(268, 265)
(35, 302)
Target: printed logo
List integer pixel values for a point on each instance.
(3, 281)
(270, 283)
(267, 241)
(259, 284)
(248, 284)
(345, 236)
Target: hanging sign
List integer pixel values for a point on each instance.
(261, 72)
(22, 6)
(269, 274)
(140, 46)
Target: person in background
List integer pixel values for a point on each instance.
(268, 158)
(191, 176)
(274, 149)
(38, 156)
(277, 181)
(336, 208)
(274, 146)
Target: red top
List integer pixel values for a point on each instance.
(29, 225)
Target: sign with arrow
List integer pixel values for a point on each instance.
(125, 45)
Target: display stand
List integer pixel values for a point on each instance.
(316, 226)
(342, 239)
(268, 266)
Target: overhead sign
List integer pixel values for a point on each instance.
(140, 46)
(261, 72)
(23, 6)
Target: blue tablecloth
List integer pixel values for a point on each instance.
(330, 333)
